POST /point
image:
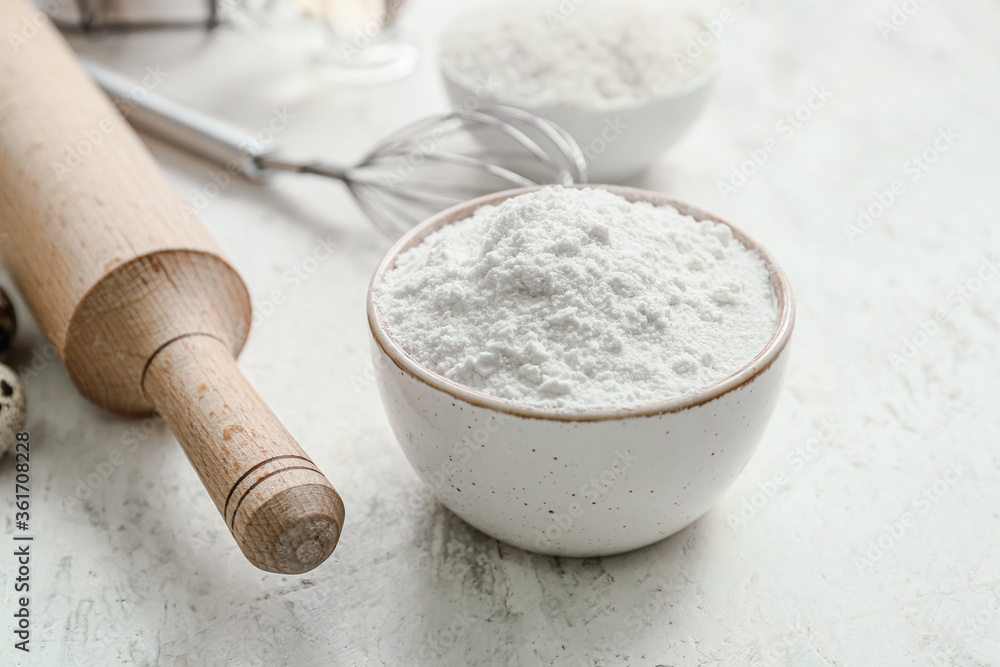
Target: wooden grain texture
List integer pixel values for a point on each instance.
(125, 282)
(81, 195)
(163, 295)
(284, 513)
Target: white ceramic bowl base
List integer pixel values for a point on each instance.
(577, 488)
(583, 483)
(617, 143)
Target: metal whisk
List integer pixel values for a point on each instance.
(409, 175)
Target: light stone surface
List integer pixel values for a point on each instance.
(143, 572)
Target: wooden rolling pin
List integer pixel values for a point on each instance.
(137, 299)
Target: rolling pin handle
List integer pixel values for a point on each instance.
(284, 514)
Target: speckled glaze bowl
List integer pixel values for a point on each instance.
(586, 482)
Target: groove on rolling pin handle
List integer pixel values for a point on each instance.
(282, 511)
(231, 519)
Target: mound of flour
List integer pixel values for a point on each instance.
(595, 53)
(571, 299)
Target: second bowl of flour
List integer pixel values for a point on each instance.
(626, 79)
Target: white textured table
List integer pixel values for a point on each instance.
(865, 532)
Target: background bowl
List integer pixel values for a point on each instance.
(617, 142)
(584, 482)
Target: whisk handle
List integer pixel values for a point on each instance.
(179, 126)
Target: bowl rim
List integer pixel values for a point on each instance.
(744, 375)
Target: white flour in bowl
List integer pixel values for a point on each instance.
(594, 54)
(570, 299)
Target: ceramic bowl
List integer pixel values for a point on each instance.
(617, 142)
(584, 482)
